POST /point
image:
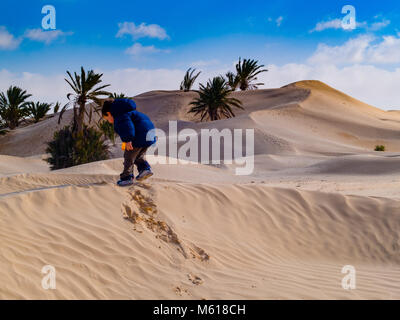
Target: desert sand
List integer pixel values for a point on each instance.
(319, 198)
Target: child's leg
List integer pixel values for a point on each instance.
(140, 162)
(129, 158)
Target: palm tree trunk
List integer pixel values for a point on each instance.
(81, 117)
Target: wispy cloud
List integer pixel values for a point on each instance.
(46, 37)
(277, 21)
(141, 31)
(331, 24)
(204, 63)
(337, 24)
(138, 49)
(7, 40)
(379, 25)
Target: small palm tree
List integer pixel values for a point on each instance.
(13, 106)
(84, 89)
(121, 95)
(247, 71)
(38, 110)
(232, 80)
(189, 80)
(56, 107)
(214, 101)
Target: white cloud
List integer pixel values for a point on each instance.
(363, 49)
(387, 51)
(379, 25)
(7, 40)
(337, 24)
(141, 31)
(138, 49)
(367, 83)
(134, 81)
(52, 88)
(44, 36)
(44, 88)
(279, 21)
(331, 24)
(204, 63)
(353, 51)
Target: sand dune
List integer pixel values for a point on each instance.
(319, 198)
(305, 117)
(180, 240)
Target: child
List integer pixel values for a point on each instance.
(132, 126)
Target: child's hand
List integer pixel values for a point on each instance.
(128, 146)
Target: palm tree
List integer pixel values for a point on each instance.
(121, 95)
(189, 79)
(84, 91)
(232, 80)
(247, 71)
(13, 106)
(214, 101)
(56, 107)
(38, 110)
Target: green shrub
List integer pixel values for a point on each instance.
(380, 148)
(67, 150)
(108, 130)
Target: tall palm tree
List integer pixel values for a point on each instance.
(189, 79)
(13, 106)
(232, 80)
(214, 101)
(247, 71)
(38, 110)
(84, 89)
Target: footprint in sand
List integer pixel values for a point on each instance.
(141, 210)
(195, 279)
(181, 291)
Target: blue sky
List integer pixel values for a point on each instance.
(161, 39)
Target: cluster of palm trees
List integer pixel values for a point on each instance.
(15, 108)
(214, 101)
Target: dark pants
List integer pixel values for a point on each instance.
(134, 157)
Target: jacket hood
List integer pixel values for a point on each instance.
(121, 106)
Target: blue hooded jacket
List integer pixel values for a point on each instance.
(131, 125)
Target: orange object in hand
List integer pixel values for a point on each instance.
(123, 146)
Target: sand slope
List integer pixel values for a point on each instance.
(240, 241)
(165, 239)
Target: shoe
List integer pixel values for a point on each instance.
(144, 175)
(125, 181)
